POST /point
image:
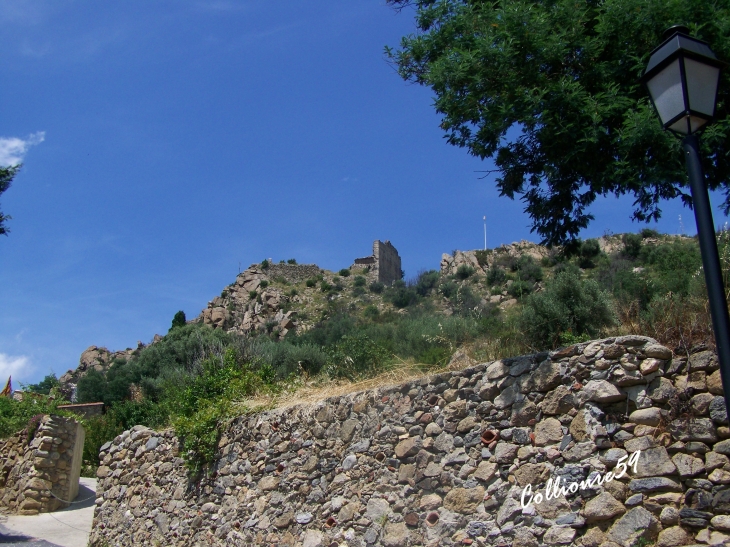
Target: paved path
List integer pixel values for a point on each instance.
(68, 527)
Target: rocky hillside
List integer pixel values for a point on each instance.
(280, 299)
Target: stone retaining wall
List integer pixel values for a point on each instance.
(36, 476)
(293, 273)
(444, 460)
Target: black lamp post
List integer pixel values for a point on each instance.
(682, 78)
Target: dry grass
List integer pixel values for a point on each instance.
(320, 388)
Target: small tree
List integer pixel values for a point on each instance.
(179, 320)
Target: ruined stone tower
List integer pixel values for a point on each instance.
(384, 263)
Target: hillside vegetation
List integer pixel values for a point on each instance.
(502, 303)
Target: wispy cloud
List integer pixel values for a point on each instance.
(13, 149)
(17, 366)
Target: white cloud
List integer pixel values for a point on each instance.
(13, 149)
(18, 367)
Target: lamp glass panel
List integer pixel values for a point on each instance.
(665, 88)
(687, 125)
(702, 82)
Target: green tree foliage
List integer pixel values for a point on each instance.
(45, 386)
(15, 415)
(179, 320)
(568, 304)
(551, 91)
(589, 251)
(176, 354)
(6, 177)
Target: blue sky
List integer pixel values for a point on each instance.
(166, 144)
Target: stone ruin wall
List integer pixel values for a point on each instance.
(443, 460)
(384, 264)
(387, 262)
(36, 474)
(293, 273)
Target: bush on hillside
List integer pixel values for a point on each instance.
(632, 245)
(496, 276)
(401, 295)
(527, 269)
(180, 350)
(589, 252)
(519, 288)
(426, 282)
(568, 304)
(464, 272)
(356, 355)
(377, 287)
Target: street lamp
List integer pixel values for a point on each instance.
(682, 78)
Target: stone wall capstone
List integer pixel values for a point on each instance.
(446, 460)
(38, 476)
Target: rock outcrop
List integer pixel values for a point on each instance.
(447, 459)
(251, 303)
(95, 358)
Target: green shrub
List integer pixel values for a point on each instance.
(496, 276)
(632, 245)
(344, 272)
(400, 295)
(377, 287)
(465, 302)
(519, 288)
(359, 281)
(324, 286)
(568, 304)
(15, 415)
(179, 320)
(627, 287)
(252, 294)
(311, 282)
(204, 404)
(285, 358)
(673, 266)
(527, 269)
(648, 232)
(358, 291)
(464, 272)
(264, 264)
(482, 257)
(292, 293)
(356, 355)
(291, 261)
(179, 350)
(426, 281)
(448, 289)
(371, 311)
(589, 251)
(263, 283)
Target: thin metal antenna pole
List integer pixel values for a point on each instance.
(485, 232)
